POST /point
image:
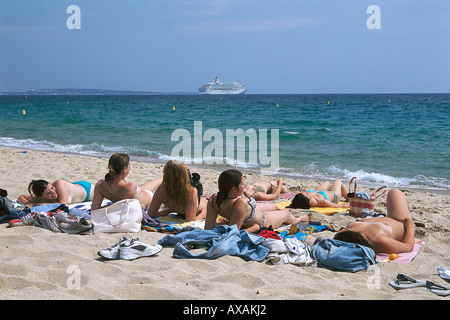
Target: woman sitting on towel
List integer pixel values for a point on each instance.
(115, 188)
(177, 194)
(231, 203)
(42, 192)
(265, 191)
(391, 234)
(326, 195)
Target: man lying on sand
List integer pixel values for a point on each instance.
(391, 234)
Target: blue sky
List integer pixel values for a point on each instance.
(283, 46)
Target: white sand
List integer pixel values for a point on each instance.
(38, 264)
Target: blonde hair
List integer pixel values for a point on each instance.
(176, 181)
(116, 163)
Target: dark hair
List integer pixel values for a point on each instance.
(352, 237)
(37, 187)
(116, 163)
(300, 201)
(227, 180)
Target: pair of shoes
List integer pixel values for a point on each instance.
(76, 226)
(404, 282)
(27, 220)
(129, 250)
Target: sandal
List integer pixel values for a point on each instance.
(438, 289)
(404, 282)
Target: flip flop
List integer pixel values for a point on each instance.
(444, 273)
(404, 282)
(438, 289)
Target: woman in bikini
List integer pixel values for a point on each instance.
(115, 188)
(326, 195)
(60, 191)
(231, 204)
(265, 191)
(391, 234)
(177, 194)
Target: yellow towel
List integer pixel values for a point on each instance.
(324, 210)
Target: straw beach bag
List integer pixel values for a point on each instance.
(122, 216)
(357, 204)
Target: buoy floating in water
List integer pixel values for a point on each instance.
(23, 112)
(173, 108)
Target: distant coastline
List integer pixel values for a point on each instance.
(88, 92)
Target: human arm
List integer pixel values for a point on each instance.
(25, 199)
(98, 197)
(191, 205)
(62, 191)
(327, 203)
(154, 209)
(276, 191)
(211, 214)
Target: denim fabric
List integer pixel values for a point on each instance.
(222, 240)
(342, 256)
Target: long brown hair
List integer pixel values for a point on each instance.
(176, 181)
(227, 180)
(116, 163)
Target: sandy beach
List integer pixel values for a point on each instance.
(38, 264)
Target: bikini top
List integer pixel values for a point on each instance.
(252, 203)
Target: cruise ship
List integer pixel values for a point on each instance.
(218, 87)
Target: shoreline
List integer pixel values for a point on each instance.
(35, 262)
(220, 168)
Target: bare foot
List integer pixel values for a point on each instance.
(305, 218)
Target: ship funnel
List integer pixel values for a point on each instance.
(217, 80)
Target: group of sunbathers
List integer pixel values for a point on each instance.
(234, 203)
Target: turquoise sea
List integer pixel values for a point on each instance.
(398, 140)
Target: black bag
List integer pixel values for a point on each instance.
(194, 179)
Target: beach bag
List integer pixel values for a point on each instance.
(122, 216)
(194, 179)
(338, 255)
(357, 204)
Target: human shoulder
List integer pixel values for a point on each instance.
(240, 204)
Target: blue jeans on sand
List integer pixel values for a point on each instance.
(222, 240)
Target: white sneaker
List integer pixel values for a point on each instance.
(113, 251)
(135, 249)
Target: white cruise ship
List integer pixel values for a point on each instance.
(218, 87)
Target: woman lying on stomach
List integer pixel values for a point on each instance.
(231, 204)
(177, 194)
(115, 188)
(61, 191)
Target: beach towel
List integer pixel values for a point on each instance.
(406, 257)
(323, 210)
(301, 230)
(170, 224)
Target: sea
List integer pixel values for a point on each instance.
(394, 140)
